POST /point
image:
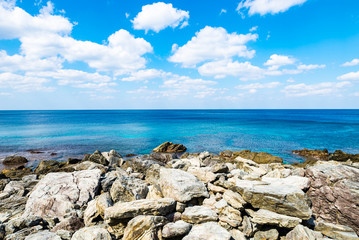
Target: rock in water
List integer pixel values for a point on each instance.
(57, 192)
(144, 227)
(14, 160)
(209, 230)
(334, 193)
(180, 185)
(91, 233)
(170, 147)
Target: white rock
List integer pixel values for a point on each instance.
(199, 214)
(208, 231)
(91, 233)
(43, 235)
(300, 182)
(176, 229)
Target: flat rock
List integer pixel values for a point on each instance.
(43, 235)
(271, 234)
(303, 233)
(176, 229)
(265, 217)
(336, 231)
(144, 227)
(208, 231)
(124, 210)
(302, 183)
(199, 214)
(234, 199)
(204, 174)
(92, 233)
(57, 192)
(180, 185)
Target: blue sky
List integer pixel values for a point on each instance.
(117, 54)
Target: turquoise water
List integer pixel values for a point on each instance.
(73, 133)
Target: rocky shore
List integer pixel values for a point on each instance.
(174, 195)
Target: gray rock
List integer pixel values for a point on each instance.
(92, 233)
(65, 235)
(126, 189)
(265, 217)
(43, 235)
(97, 157)
(303, 233)
(180, 185)
(176, 229)
(208, 231)
(96, 209)
(199, 214)
(21, 234)
(144, 227)
(113, 158)
(58, 192)
(271, 234)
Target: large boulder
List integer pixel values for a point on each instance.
(260, 158)
(180, 185)
(209, 230)
(283, 199)
(144, 227)
(14, 160)
(43, 235)
(97, 157)
(127, 189)
(199, 214)
(58, 192)
(45, 167)
(303, 233)
(170, 147)
(334, 192)
(336, 231)
(265, 217)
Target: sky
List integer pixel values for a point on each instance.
(180, 54)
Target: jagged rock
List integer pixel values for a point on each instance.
(45, 167)
(316, 154)
(199, 214)
(180, 185)
(144, 227)
(238, 235)
(20, 223)
(234, 199)
(96, 208)
(248, 228)
(126, 189)
(92, 233)
(113, 158)
(102, 202)
(163, 157)
(231, 216)
(90, 214)
(271, 234)
(87, 165)
(219, 168)
(303, 233)
(140, 164)
(215, 189)
(14, 188)
(43, 235)
(302, 183)
(334, 193)
(16, 173)
(57, 192)
(124, 210)
(341, 156)
(154, 192)
(176, 229)
(208, 230)
(335, 231)
(96, 157)
(65, 235)
(261, 158)
(265, 217)
(170, 147)
(14, 160)
(204, 174)
(285, 199)
(71, 223)
(21, 234)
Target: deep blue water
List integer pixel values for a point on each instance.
(73, 133)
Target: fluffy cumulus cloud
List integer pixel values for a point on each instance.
(352, 76)
(23, 83)
(353, 62)
(145, 74)
(159, 16)
(213, 44)
(324, 88)
(264, 7)
(311, 66)
(276, 61)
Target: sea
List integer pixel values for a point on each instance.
(60, 134)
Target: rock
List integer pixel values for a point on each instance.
(96, 209)
(154, 192)
(14, 160)
(260, 158)
(90, 214)
(144, 227)
(87, 165)
(102, 202)
(45, 167)
(285, 199)
(71, 223)
(303, 233)
(199, 214)
(15, 188)
(57, 192)
(126, 189)
(335, 231)
(16, 173)
(180, 185)
(265, 217)
(176, 229)
(334, 192)
(341, 156)
(316, 154)
(65, 235)
(43, 235)
(271, 234)
(234, 199)
(237, 235)
(17, 224)
(170, 148)
(204, 174)
(124, 210)
(73, 161)
(96, 157)
(208, 230)
(216, 189)
(231, 216)
(302, 183)
(92, 233)
(113, 158)
(248, 228)
(20, 235)
(219, 168)
(163, 157)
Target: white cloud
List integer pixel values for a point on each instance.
(23, 83)
(310, 66)
(264, 7)
(145, 74)
(159, 16)
(352, 76)
(276, 61)
(213, 44)
(253, 29)
(223, 11)
(325, 88)
(259, 85)
(353, 62)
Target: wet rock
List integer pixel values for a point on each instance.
(92, 233)
(265, 217)
(170, 148)
(199, 214)
(73, 161)
(144, 227)
(125, 210)
(303, 233)
(176, 229)
(341, 156)
(335, 231)
(180, 185)
(57, 192)
(43, 235)
(209, 230)
(126, 189)
(271, 234)
(14, 160)
(334, 192)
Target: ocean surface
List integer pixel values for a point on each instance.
(74, 133)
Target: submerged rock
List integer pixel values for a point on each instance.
(170, 147)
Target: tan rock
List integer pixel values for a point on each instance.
(271, 234)
(234, 199)
(209, 230)
(265, 217)
(199, 214)
(144, 228)
(336, 231)
(303, 233)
